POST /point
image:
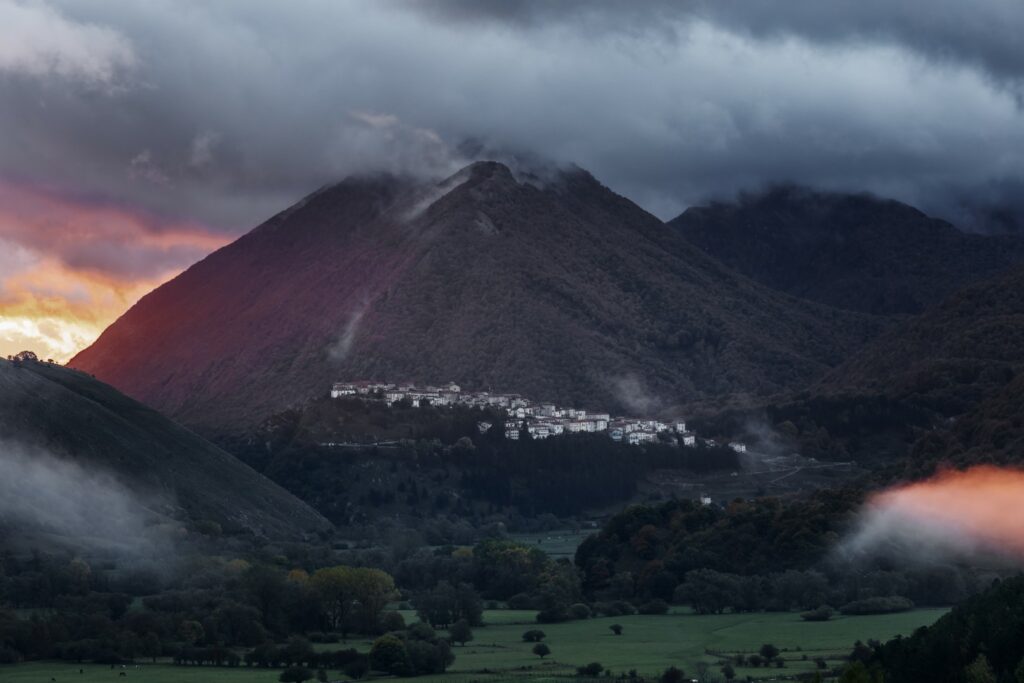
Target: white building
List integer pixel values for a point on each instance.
(738, 446)
(688, 439)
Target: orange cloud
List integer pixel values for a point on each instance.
(69, 268)
(976, 510)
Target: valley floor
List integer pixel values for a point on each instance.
(648, 644)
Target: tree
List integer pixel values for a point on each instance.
(672, 675)
(295, 674)
(151, 646)
(769, 651)
(728, 672)
(534, 635)
(191, 632)
(388, 654)
(460, 632)
(541, 650)
(336, 587)
(373, 589)
(979, 671)
(592, 670)
(616, 629)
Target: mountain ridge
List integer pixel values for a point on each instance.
(852, 251)
(553, 286)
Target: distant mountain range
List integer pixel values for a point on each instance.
(77, 433)
(547, 284)
(850, 251)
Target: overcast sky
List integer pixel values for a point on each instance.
(137, 136)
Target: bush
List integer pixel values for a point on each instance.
(579, 611)
(520, 601)
(880, 605)
(295, 674)
(672, 675)
(656, 606)
(616, 629)
(823, 613)
(534, 635)
(357, 668)
(591, 670)
(389, 621)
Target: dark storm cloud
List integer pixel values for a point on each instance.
(986, 33)
(223, 113)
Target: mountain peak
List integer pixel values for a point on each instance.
(551, 286)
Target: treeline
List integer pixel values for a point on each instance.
(746, 537)
(443, 465)
(756, 555)
(833, 427)
(215, 607)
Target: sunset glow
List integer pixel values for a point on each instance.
(69, 268)
(976, 508)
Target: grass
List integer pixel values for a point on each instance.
(557, 544)
(648, 644)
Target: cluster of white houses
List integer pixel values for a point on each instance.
(540, 420)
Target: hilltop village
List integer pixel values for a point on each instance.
(539, 419)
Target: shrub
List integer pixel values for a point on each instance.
(879, 605)
(357, 668)
(534, 635)
(579, 611)
(616, 629)
(389, 621)
(672, 675)
(295, 674)
(591, 670)
(823, 613)
(520, 601)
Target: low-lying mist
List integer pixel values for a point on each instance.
(955, 515)
(43, 494)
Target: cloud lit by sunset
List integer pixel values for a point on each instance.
(68, 268)
(954, 512)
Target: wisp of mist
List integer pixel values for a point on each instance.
(953, 515)
(41, 492)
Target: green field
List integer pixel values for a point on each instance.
(557, 544)
(648, 644)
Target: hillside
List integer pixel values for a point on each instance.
(949, 359)
(80, 436)
(556, 288)
(851, 251)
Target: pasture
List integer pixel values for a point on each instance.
(648, 644)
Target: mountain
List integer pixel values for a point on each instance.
(67, 435)
(549, 285)
(952, 357)
(850, 251)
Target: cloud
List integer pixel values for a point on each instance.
(160, 129)
(38, 41)
(69, 267)
(954, 515)
(42, 492)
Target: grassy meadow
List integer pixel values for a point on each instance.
(648, 644)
